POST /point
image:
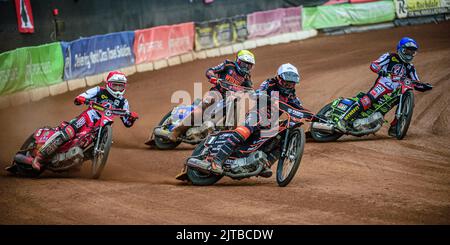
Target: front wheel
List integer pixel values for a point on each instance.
(197, 177)
(288, 165)
(319, 136)
(162, 143)
(101, 152)
(406, 115)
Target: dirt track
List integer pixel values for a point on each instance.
(368, 180)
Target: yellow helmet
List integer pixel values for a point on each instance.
(245, 61)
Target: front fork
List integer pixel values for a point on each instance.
(398, 112)
(284, 149)
(97, 143)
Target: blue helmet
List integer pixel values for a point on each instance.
(407, 49)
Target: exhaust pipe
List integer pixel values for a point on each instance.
(324, 127)
(245, 175)
(21, 158)
(161, 133)
(365, 132)
(200, 165)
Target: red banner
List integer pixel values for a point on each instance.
(163, 41)
(330, 2)
(277, 21)
(362, 1)
(336, 2)
(24, 16)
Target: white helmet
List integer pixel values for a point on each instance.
(289, 73)
(288, 77)
(116, 83)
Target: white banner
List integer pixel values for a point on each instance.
(414, 8)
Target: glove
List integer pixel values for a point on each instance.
(134, 116)
(79, 100)
(422, 87)
(383, 73)
(213, 80)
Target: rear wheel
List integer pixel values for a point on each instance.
(197, 177)
(101, 152)
(288, 165)
(319, 136)
(162, 143)
(406, 114)
(24, 169)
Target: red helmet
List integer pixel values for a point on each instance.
(116, 82)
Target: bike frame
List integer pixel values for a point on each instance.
(107, 116)
(295, 118)
(385, 104)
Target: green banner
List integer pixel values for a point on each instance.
(327, 16)
(31, 67)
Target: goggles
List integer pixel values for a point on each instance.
(117, 86)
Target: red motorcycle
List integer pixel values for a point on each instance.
(90, 143)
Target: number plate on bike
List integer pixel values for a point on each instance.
(342, 106)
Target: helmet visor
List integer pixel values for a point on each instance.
(117, 86)
(287, 84)
(410, 51)
(290, 77)
(244, 65)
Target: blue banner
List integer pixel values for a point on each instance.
(97, 54)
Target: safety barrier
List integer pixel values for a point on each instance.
(33, 73)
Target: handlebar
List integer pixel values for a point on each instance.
(99, 107)
(295, 113)
(232, 87)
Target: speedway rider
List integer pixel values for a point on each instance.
(236, 72)
(390, 67)
(284, 83)
(111, 95)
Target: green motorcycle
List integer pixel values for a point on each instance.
(367, 122)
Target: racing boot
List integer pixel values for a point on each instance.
(51, 146)
(348, 116)
(178, 130)
(266, 172)
(239, 135)
(392, 129)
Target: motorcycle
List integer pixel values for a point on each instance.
(90, 143)
(195, 134)
(370, 121)
(285, 146)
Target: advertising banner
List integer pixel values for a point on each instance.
(347, 14)
(336, 2)
(362, 1)
(216, 33)
(204, 35)
(223, 32)
(24, 13)
(163, 42)
(97, 54)
(30, 67)
(415, 8)
(181, 38)
(277, 21)
(240, 27)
